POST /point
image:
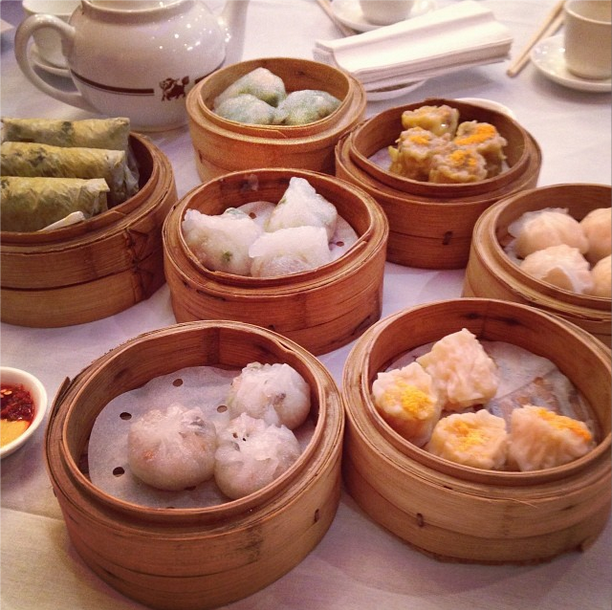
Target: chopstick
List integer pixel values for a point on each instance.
(551, 24)
(326, 6)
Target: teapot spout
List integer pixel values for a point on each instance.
(233, 23)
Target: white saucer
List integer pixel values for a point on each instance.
(349, 13)
(548, 56)
(393, 91)
(44, 65)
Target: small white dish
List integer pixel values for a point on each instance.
(12, 376)
(44, 65)
(393, 91)
(350, 14)
(479, 101)
(548, 56)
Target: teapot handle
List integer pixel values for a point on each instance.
(67, 33)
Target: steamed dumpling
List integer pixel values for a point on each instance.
(544, 228)
(276, 393)
(172, 449)
(260, 83)
(301, 206)
(408, 401)
(561, 266)
(465, 375)
(597, 226)
(305, 106)
(246, 108)
(252, 454)
(221, 242)
(476, 439)
(602, 278)
(291, 250)
(540, 438)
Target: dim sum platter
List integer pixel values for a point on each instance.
(548, 57)
(349, 13)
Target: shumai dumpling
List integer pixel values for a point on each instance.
(408, 401)
(475, 439)
(485, 140)
(464, 374)
(597, 226)
(457, 166)
(439, 120)
(540, 438)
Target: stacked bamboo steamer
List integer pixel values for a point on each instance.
(194, 558)
(95, 268)
(321, 309)
(459, 513)
(492, 273)
(223, 146)
(432, 224)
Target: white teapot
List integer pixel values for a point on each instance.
(137, 58)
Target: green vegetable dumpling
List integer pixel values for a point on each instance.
(261, 83)
(246, 108)
(305, 106)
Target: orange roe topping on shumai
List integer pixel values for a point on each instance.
(406, 401)
(469, 436)
(463, 158)
(562, 422)
(481, 133)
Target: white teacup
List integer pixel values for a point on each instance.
(385, 12)
(588, 38)
(48, 42)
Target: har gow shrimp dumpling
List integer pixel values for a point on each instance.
(597, 226)
(172, 449)
(602, 278)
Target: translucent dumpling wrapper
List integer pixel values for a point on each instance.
(464, 374)
(597, 226)
(288, 251)
(31, 204)
(221, 242)
(42, 160)
(475, 439)
(540, 438)
(305, 106)
(252, 454)
(246, 108)
(260, 82)
(172, 449)
(541, 229)
(111, 133)
(562, 266)
(276, 393)
(439, 120)
(407, 400)
(301, 206)
(601, 273)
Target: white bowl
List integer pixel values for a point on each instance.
(12, 376)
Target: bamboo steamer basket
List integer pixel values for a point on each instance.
(321, 309)
(223, 146)
(491, 273)
(95, 268)
(431, 224)
(194, 558)
(463, 514)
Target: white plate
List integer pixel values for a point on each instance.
(478, 101)
(548, 56)
(389, 93)
(349, 13)
(44, 65)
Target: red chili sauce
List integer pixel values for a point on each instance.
(17, 403)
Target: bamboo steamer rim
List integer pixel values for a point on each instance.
(277, 286)
(363, 147)
(77, 393)
(199, 107)
(544, 294)
(359, 376)
(384, 192)
(158, 180)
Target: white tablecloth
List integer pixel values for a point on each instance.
(358, 565)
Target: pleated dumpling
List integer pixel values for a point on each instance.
(305, 106)
(260, 83)
(408, 401)
(465, 375)
(602, 278)
(540, 438)
(597, 226)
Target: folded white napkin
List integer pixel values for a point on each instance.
(444, 40)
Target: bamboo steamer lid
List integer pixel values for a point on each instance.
(95, 268)
(491, 273)
(431, 224)
(321, 309)
(459, 513)
(223, 146)
(194, 558)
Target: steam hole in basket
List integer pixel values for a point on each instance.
(125, 415)
(317, 515)
(339, 244)
(221, 408)
(253, 215)
(118, 471)
(190, 488)
(447, 237)
(177, 383)
(420, 520)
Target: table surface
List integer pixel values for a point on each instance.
(358, 565)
